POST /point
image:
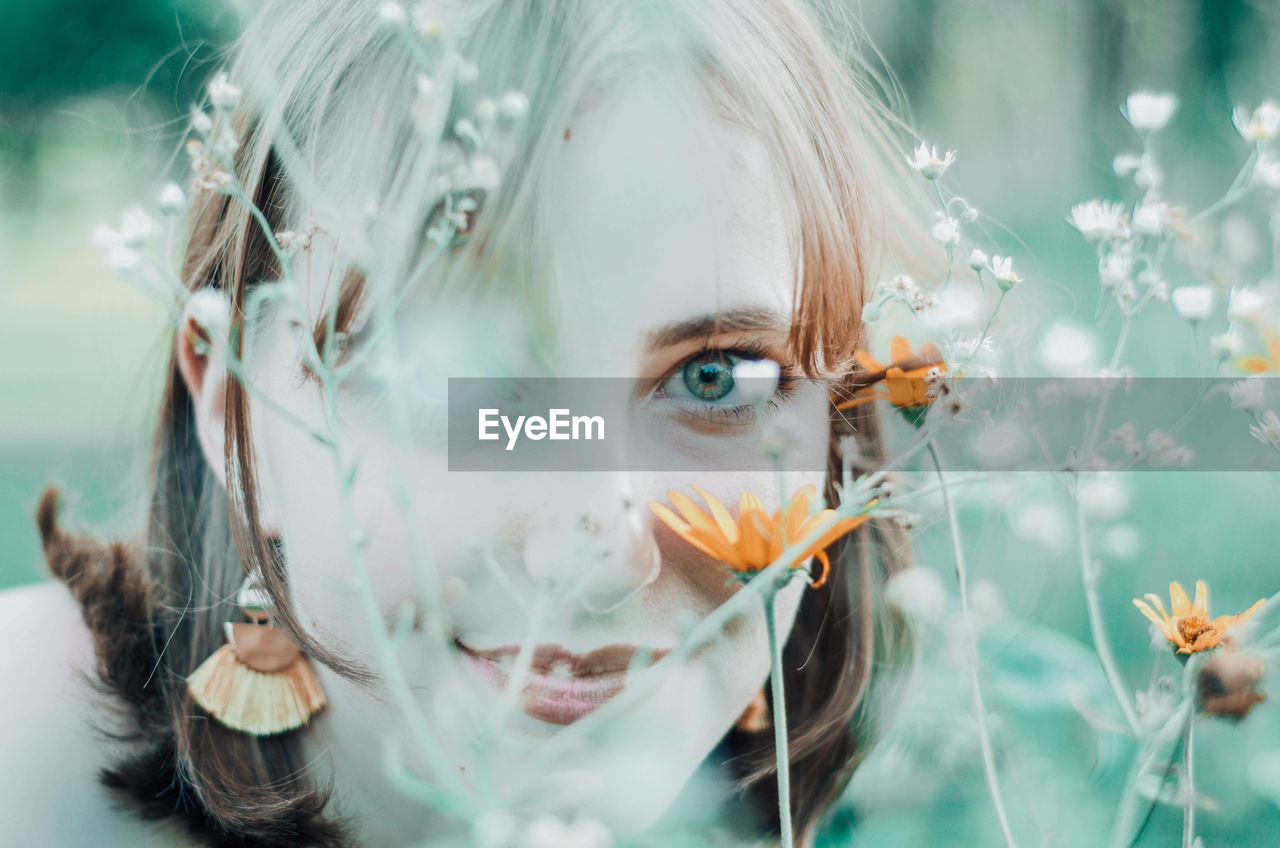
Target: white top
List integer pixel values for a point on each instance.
(50, 753)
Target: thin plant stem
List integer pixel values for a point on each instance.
(1121, 832)
(779, 720)
(1188, 752)
(1097, 625)
(979, 708)
(1189, 784)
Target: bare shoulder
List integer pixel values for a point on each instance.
(50, 751)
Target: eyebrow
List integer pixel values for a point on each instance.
(732, 321)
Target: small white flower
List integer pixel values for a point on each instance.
(1150, 218)
(514, 105)
(226, 144)
(871, 311)
(211, 309)
(1069, 350)
(1192, 303)
(919, 593)
(1104, 496)
(1097, 220)
(393, 15)
(424, 21)
(118, 259)
(222, 94)
(1267, 171)
(1248, 395)
(980, 358)
(1126, 294)
(904, 285)
(1114, 269)
(1149, 110)
(1267, 430)
(483, 172)
(468, 72)
(947, 231)
(1127, 435)
(1165, 450)
(1002, 270)
(201, 123)
(1245, 305)
(1226, 345)
(1121, 542)
(1126, 163)
(1043, 524)
(1260, 125)
(120, 247)
(927, 161)
(291, 242)
(978, 260)
(756, 379)
(171, 200)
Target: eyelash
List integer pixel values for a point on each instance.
(744, 413)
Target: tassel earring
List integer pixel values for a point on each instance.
(259, 682)
(755, 718)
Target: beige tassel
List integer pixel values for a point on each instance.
(755, 718)
(255, 702)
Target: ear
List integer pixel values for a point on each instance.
(200, 350)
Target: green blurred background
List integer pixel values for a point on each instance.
(93, 99)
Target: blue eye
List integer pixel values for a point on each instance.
(709, 376)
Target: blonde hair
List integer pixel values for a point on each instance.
(326, 122)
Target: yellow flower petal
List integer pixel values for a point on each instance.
(1201, 605)
(723, 519)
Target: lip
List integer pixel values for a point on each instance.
(561, 686)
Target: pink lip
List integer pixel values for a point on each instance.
(561, 687)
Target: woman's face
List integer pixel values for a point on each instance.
(661, 221)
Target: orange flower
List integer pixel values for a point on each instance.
(756, 539)
(1189, 627)
(905, 379)
(1261, 363)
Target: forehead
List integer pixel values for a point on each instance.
(658, 213)
(662, 213)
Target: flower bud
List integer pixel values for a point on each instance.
(1228, 685)
(978, 260)
(170, 200)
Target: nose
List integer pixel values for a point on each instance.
(590, 540)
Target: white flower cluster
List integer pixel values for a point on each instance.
(213, 142)
(120, 247)
(903, 289)
(293, 241)
(1158, 448)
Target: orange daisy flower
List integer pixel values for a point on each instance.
(905, 379)
(1189, 626)
(755, 539)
